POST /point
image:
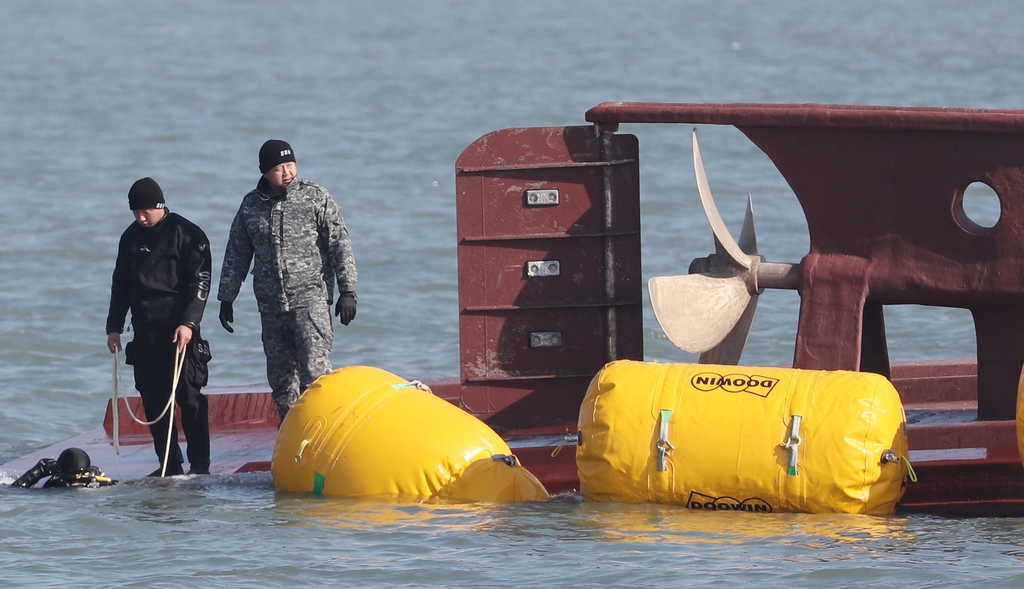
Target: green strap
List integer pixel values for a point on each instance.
(318, 485)
(793, 445)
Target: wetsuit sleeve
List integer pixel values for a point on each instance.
(237, 258)
(198, 266)
(44, 468)
(339, 245)
(120, 291)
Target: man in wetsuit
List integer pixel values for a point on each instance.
(162, 274)
(71, 469)
(293, 234)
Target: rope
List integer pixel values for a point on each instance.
(910, 470)
(115, 411)
(179, 361)
(117, 384)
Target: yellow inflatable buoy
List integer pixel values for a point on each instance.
(362, 431)
(742, 439)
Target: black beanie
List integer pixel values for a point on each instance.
(274, 153)
(145, 194)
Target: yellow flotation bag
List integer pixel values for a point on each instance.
(742, 439)
(362, 431)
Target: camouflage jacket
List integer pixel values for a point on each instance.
(298, 246)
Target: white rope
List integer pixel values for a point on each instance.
(115, 410)
(179, 361)
(128, 406)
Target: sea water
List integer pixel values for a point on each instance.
(378, 99)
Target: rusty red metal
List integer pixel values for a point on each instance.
(529, 199)
(848, 116)
(882, 190)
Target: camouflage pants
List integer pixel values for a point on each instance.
(298, 347)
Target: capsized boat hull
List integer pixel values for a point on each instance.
(963, 466)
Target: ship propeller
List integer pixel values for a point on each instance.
(709, 311)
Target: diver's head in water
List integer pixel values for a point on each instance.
(73, 461)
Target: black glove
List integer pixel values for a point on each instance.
(227, 316)
(346, 307)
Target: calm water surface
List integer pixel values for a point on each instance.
(378, 100)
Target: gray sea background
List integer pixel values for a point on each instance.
(378, 100)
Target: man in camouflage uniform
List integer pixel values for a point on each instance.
(293, 233)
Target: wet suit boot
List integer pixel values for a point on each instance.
(173, 469)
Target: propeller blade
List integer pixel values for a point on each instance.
(728, 352)
(695, 311)
(718, 227)
(748, 237)
(711, 311)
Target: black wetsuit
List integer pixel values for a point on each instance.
(91, 477)
(162, 274)
(73, 468)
